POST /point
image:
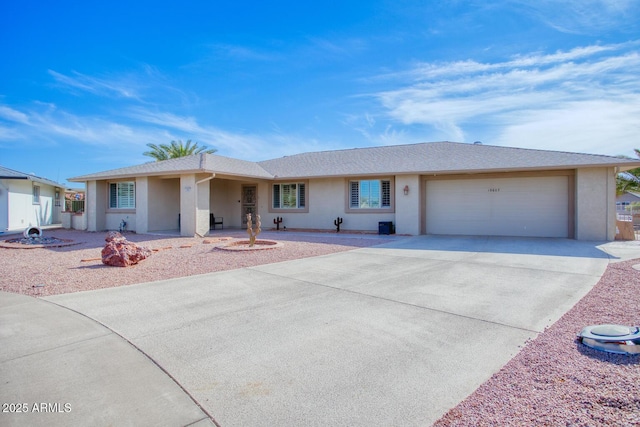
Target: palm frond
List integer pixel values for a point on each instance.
(176, 149)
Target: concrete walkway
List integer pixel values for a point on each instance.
(395, 334)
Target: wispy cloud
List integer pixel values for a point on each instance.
(129, 132)
(520, 93)
(585, 16)
(13, 115)
(247, 146)
(242, 53)
(47, 124)
(99, 86)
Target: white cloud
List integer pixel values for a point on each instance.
(99, 86)
(12, 115)
(136, 127)
(593, 90)
(585, 16)
(242, 53)
(596, 126)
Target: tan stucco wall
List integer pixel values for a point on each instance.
(595, 204)
(164, 204)
(225, 201)
(74, 221)
(408, 212)
(224, 196)
(202, 205)
(99, 217)
(326, 199)
(142, 204)
(159, 201)
(188, 205)
(113, 220)
(96, 205)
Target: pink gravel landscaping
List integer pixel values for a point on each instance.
(552, 381)
(59, 270)
(555, 381)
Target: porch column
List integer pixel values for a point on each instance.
(595, 204)
(408, 205)
(95, 205)
(202, 205)
(142, 204)
(188, 205)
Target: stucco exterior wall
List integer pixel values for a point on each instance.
(327, 200)
(96, 205)
(20, 209)
(90, 205)
(113, 220)
(164, 204)
(595, 204)
(142, 204)
(188, 205)
(78, 221)
(224, 196)
(4, 205)
(408, 210)
(202, 204)
(160, 200)
(225, 201)
(74, 221)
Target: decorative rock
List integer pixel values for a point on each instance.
(114, 236)
(119, 252)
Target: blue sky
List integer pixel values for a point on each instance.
(84, 86)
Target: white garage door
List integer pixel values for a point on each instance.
(527, 206)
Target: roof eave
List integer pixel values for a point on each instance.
(86, 178)
(455, 171)
(14, 177)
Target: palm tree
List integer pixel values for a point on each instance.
(628, 180)
(176, 149)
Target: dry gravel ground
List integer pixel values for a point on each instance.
(553, 381)
(60, 270)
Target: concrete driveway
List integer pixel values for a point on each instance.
(390, 335)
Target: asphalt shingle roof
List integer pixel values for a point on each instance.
(197, 163)
(433, 157)
(424, 158)
(6, 173)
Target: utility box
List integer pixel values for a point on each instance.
(386, 227)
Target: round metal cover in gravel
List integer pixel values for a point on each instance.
(613, 330)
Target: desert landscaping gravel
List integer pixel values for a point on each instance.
(552, 381)
(59, 270)
(556, 381)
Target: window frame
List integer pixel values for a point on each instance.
(36, 195)
(350, 208)
(118, 197)
(303, 184)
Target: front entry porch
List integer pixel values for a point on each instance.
(194, 204)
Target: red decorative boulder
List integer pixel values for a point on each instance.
(119, 252)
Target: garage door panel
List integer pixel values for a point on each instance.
(531, 206)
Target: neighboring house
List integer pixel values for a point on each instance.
(628, 207)
(27, 200)
(627, 199)
(427, 188)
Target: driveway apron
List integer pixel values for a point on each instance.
(390, 335)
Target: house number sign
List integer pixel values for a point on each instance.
(494, 190)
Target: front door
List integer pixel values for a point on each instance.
(249, 203)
